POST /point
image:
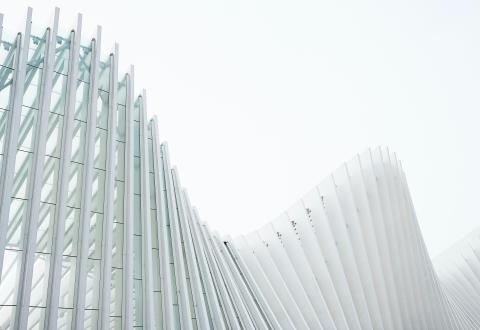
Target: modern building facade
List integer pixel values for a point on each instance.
(96, 231)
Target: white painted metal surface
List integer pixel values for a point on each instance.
(97, 232)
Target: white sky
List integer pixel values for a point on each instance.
(260, 99)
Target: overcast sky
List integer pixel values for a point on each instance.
(261, 99)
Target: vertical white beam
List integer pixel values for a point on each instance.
(108, 208)
(64, 173)
(182, 290)
(233, 290)
(146, 219)
(213, 303)
(36, 176)
(85, 214)
(13, 128)
(164, 256)
(220, 287)
(127, 304)
(197, 296)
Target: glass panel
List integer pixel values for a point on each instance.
(117, 245)
(93, 281)
(150, 153)
(119, 160)
(121, 130)
(3, 127)
(156, 271)
(22, 167)
(75, 185)
(119, 201)
(91, 319)
(62, 55)
(136, 138)
(104, 76)
(137, 220)
(6, 81)
(137, 303)
(27, 126)
(54, 135)
(81, 100)
(10, 273)
(98, 190)
(136, 109)
(59, 87)
(36, 51)
(85, 63)
(50, 178)
(153, 202)
(137, 257)
(36, 316)
(116, 323)
(157, 299)
(102, 109)
(122, 91)
(33, 80)
(7, 316)
(79, 141)
(67, 282)
(15, 224)
(136, 175)
(154, 231)
(45, 226)
(100, 153)
(95, 236)
(116, 293)
(7, 50)
(38, 295)
(71, 231)
(64, 319)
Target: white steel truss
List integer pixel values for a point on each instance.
(97, 232)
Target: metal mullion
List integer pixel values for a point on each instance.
(10, 147)
(179, 265)
(146, 221)
(108, 211)
(36, 179)
(196, 286)
(127, 303)
(86, 198)
(62, 191)
(163, 255)
(212, 301)
(232, 288)
(218, 282)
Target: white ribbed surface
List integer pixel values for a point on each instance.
(96, 231)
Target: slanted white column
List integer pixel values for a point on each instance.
(13, 128)
(182, 289)
(197, 296)
(108, 207)
(164, 256)
(35, 181)
(147, 283)
(127, 302)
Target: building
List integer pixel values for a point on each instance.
(96, 231)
